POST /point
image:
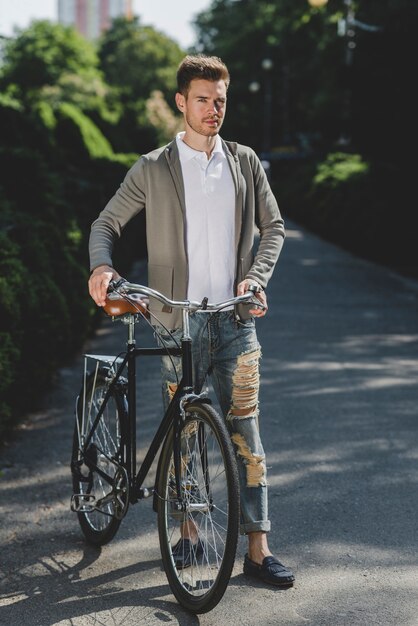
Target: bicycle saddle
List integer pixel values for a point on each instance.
(116, 306)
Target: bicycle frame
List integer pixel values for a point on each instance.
(176, 409)
(172, 416)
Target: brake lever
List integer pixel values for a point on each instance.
(255, 288)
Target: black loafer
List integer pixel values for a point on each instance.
(185, 552)
(271, 571)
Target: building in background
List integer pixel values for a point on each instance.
(92, 17)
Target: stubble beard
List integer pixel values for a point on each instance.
(201, 130)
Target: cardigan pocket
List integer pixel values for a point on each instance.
(160, 278)
(245, 264)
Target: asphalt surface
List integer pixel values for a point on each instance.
(339, 409)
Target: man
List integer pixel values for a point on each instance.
(202, 198)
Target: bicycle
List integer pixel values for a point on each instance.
(196, 485)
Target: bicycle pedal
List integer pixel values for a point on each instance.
(83, 502)
(144, 492)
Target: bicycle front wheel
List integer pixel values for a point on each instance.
(198, 528)
(100, 482)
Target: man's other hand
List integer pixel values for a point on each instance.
(244, 286)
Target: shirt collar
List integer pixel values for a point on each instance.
(187, 153)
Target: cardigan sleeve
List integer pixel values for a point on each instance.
(122, 207)
(269, 222)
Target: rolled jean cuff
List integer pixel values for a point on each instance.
(253, 527)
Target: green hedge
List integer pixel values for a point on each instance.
(80, 135)
(57, 171)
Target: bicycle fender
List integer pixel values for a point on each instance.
(193, 397)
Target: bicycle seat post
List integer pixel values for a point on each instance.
(131, 330)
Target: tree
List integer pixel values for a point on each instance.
(43, 53)
(139, 59)
(243, 34)
(159, 114)
(384, 95)
(310, 79)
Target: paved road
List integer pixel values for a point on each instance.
(339, 421)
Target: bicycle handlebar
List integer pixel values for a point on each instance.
(126, 288)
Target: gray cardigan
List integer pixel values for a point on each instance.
(155, 183)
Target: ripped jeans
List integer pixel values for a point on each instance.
(228, 351)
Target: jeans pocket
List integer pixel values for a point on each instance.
(248, 323)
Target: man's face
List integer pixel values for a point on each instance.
(204, 107)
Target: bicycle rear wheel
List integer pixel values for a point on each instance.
(198, 571)
(100, 482)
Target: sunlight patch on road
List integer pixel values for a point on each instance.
(292, 233)
(47, 475)
(7, 601)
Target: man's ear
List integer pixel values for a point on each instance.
(180, 101)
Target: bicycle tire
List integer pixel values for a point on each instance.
(100, 526)
(211, 492)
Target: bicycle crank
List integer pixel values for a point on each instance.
(115, 503)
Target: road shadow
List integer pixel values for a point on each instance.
(46, 589)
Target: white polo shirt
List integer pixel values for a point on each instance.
(210, 222)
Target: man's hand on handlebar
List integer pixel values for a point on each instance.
(99, 282)
(245, 286)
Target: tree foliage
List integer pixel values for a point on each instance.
(139, 59)
(314, 89)
(322, 93)
(293, 37)
(41, 54)
(166, 123)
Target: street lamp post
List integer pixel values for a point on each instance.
(254, 87)
(347, 29)
(267, 66)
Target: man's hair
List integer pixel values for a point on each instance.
(200, 67)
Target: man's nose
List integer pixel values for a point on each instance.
(214, 107)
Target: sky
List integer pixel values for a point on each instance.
(170, 16)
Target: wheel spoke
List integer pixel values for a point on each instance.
(210, 502)
(103, 452)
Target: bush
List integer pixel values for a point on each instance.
(350, 202)
(12, 277)
(338, 195)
